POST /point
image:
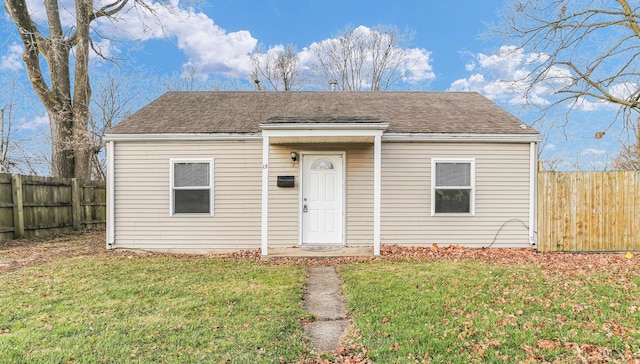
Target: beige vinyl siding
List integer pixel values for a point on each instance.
(284, 203)
(501, 195)
(142, 190)
(360, 196)
(142, 196)
(284, 217)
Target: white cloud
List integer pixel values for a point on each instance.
(621, 90)
(506, 76)
(417, 67)
(12, 60)
(209, 48)
(593, 151)
(37, 123)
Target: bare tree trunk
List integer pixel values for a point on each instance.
(67, 106)
(82, 92)
(62, 159)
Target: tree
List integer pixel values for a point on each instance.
(64, 90)
(7, 116)
(110, 105)
(589, 52)
(627, 158)
(279, 66)
(362, 58)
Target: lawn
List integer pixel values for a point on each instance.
(410, 306)
(152, 309)
(476, 311)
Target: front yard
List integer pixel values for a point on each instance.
(412, 305)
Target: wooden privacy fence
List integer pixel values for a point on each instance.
(38, 206)
(589, 211)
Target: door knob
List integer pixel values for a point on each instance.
(304, 208)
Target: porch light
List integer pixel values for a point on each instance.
(294, 157)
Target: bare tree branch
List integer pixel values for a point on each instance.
(65, 91)
(362, 58)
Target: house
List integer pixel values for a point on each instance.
(202, 171)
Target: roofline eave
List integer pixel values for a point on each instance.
(391, 137)
(388, 137)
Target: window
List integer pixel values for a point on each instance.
(192, 186)
(322, 164)
(452, 182)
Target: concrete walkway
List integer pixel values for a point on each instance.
(323, 300)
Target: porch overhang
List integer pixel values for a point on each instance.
(288, 132)
(342, 130)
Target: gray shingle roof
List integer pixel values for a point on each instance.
(242, 112)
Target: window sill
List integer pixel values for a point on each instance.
(192, 215)
(453, 214)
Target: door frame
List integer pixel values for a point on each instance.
(343, 155)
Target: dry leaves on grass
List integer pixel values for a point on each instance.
(568, 263)
(17, 254)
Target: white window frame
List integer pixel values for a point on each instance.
(472, 192)
(172, 163)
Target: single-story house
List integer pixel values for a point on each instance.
(205, 171)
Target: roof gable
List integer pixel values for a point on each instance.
(243, 112)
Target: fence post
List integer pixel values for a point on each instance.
(75, 204)
(18, 210)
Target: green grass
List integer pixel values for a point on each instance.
(152, 309)
(162, 309)
(467, 311)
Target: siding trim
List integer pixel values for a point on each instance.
(111, 196)
(182, 136)
(344, 131)
(264, 243)
(533, 193)
(459, 138)
(172, 188)
(472, 193)
(377, 192)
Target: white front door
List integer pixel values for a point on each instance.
(322, 199)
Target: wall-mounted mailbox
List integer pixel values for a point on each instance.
(286, 181)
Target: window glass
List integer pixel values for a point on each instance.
(453, 174)
(453, 201)
(322, 164)
(191, 174)
(191, 201)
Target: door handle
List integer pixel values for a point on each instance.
(304, 208)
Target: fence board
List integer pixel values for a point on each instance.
(589, 211)
(47, 206)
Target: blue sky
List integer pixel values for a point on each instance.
(451, 33)
(215, 39)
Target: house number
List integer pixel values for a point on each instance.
(265, 166)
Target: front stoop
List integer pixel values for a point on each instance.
(324, 252)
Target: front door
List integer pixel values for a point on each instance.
(322, 199)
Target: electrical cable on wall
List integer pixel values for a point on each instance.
(502, 226)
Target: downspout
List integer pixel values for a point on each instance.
(111, 199)
(533, 193)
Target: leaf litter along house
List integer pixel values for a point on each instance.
(206, 171)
